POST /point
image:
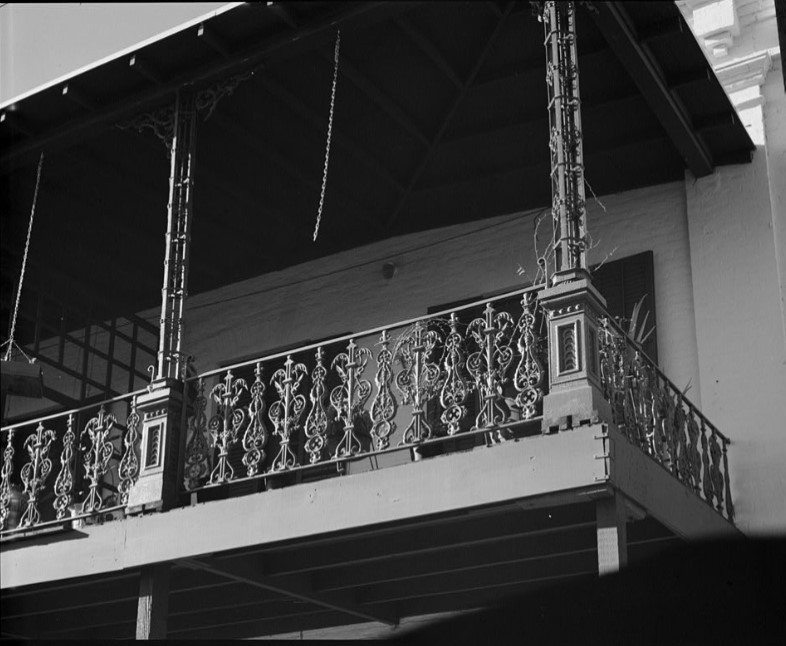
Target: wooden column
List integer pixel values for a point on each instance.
(153, 606)
(612, 534)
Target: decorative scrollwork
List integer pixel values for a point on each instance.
(207, 100)
(454, 391)
(225, 424)
(285, 413)
(5, 478)
(418, 380)
(716, 475)
(528, 377)
(96, 457)
(36, 471)
(64, 483)
(128, 470)
(488, 365)
(383, 410)
(160, 121)
(348, 398)
(197, 450)
(317, 421)
(256, 435)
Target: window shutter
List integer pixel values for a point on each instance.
(623, 282)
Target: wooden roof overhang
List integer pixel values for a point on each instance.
(440, 118)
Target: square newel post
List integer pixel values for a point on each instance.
(575, 397)
(162, 448)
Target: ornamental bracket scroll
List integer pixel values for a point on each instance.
(161, 121)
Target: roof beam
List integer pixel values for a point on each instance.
(78, 97)
(213, 40)
(300, 588)
(362, 82)
(428, 48)
(274, 87)
(449, 115)
(144, 69)
(614, 23)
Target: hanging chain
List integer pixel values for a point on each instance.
(10, 342)
(329, 135)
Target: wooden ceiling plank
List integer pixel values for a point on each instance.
(616, 26)
(244, 572)
(449, 116)
(428, 48)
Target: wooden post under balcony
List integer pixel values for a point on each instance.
(612, 536)
(153, 603)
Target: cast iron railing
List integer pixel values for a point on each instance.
(74, 465)
(474, 374)
(657, 417)
(474, 371)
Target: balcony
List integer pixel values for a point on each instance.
(402, 434)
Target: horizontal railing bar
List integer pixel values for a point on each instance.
(18, 531)
(371, 454)
(73, 411)
(674, 386)
(376, 330)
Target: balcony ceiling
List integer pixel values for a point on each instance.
(440, 118)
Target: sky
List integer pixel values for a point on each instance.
(41, 42)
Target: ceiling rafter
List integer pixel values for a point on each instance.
(208, 35)
(248, 573)
(428, 48)
(449, 115)
(615, 24)
(253, 140)
(361, 81)
(276, 89)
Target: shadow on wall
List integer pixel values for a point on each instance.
(705, 593)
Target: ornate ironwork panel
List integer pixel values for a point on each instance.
(383, 410)
(96, 456)
(348, 398)
(285, 413)
(128, 470)
(226, 424)
(5, 478)
(455, 389)
(528, 377)
(488, 365)
(419, 378)
(317, 420)
(256, 434)
(36, 471)
(64, 483)
(197, 449)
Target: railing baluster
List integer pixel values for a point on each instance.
(256, 436)
(197, 450)
(225, 424)
(528, 377)
(383, 410)
(96, 457)
(285, 413)
(418, 380)
(128, 470)
(5, 479)
(317, 421)
(349, 397)
(455, 389)
(729, 504)
(64, 483)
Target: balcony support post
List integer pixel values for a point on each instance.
(161, 409)
(572, 305)
(153, 605)
(612, 536)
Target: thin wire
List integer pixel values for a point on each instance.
(329, 135)
(10, 342)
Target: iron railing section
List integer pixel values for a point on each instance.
(469, 371)
(655, 415)
(69, 466)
